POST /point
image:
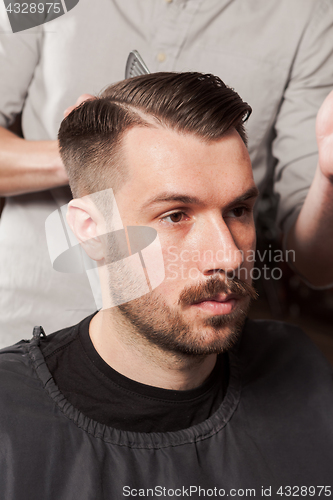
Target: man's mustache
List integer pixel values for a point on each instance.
(215, 286)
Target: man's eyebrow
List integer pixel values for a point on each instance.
(253, 192)
(166, 196)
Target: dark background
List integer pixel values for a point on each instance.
(289, 298)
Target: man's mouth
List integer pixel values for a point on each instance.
(218, 304)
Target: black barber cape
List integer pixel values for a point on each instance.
(271, 436)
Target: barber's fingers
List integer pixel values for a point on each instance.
(80, 100)
(324, 123)
(84, 97)
(324, 132)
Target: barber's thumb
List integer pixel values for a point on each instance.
(80, 100)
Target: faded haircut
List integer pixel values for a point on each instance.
(90, 137)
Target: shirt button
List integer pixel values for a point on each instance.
(161, 57)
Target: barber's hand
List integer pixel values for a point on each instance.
(324, 133)
(81, 99)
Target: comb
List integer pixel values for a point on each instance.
(135, 65)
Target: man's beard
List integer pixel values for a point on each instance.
(153, 320)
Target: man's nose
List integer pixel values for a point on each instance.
(218, 250)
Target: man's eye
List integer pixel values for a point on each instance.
(237, 212)
(174, 218)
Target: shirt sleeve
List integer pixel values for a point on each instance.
(310, 81)
(19, 55)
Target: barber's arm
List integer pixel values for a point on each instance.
(304, 182)
(28, 166)
(25, 166)
(312, 234)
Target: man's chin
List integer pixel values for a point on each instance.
(179, 332)
(217, 335)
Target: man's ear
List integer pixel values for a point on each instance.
(85, 222)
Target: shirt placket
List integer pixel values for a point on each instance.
(174, 21)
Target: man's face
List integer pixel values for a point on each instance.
(199, 196)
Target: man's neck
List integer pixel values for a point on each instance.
(143, 362)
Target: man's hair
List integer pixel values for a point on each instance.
(90, 137)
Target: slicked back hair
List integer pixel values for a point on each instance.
(90, 137)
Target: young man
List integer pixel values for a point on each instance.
(174, 393)
(278, 54)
